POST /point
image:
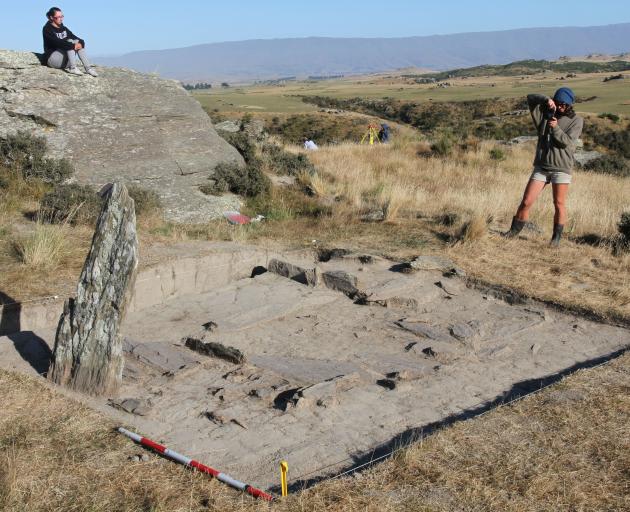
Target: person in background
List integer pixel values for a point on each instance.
(383, 133)
(559, 128)
(62, 47)
(309, 144)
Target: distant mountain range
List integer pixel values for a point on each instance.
(322, 56)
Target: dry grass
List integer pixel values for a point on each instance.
(566, 448)
(468, 182)
(43, 248)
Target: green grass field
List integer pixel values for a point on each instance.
(613, 96)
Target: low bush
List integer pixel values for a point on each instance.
(609, 115)
(614, 140)
(284, 163)
(80, 204)
(76, 204)
(24, 153)
(442, 147)
(624, 225)
(243, 144)
(146, 201)
(497, 154)
(322, 128)
(610, 164)
(248, 181)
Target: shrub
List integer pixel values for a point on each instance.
(624, 225)
(242, 143)
(80, 204)
(248, 181)
(614, 140)
(146, 201)
(442, 147)
(24, 153)
(497, 154)
(610, 164)
(609, 115)
(284, 163)
(77, 204)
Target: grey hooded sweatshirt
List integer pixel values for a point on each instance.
(556, 146)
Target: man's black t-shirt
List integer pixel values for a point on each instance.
(57, 39)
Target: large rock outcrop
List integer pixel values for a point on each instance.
(88, 352)
(122, 125)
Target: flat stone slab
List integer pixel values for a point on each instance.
(165, 357)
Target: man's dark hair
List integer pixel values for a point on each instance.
(52, 11)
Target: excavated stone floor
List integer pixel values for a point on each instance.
(332, 374)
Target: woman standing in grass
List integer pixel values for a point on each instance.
(559, 128)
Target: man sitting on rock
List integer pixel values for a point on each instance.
(61, 46)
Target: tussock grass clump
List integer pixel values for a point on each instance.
(24, 153)
(474, 229)
(44, 248)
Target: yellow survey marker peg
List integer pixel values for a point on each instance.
(284, 469)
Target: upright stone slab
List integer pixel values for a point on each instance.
(88, 352)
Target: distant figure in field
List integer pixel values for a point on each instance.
(559, 128)
(62, 47)
(384, 133)
(309, 144)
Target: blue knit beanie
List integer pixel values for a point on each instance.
(564, 95)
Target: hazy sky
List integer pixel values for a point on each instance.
(119, 26)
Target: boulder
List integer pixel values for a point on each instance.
(584, 157)
(88, 351)
(229, 126)
(123, 125)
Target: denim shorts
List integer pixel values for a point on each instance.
(556, 177)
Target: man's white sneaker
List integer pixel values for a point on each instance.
(74, 71)
(91, 72)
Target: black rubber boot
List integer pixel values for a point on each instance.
(557, 234)
(515, 228)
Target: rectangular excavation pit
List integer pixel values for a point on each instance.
(326, 378)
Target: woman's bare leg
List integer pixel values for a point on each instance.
(532, 191)
(560, 191)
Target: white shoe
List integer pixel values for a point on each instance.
(91, 72)
(74, 71)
